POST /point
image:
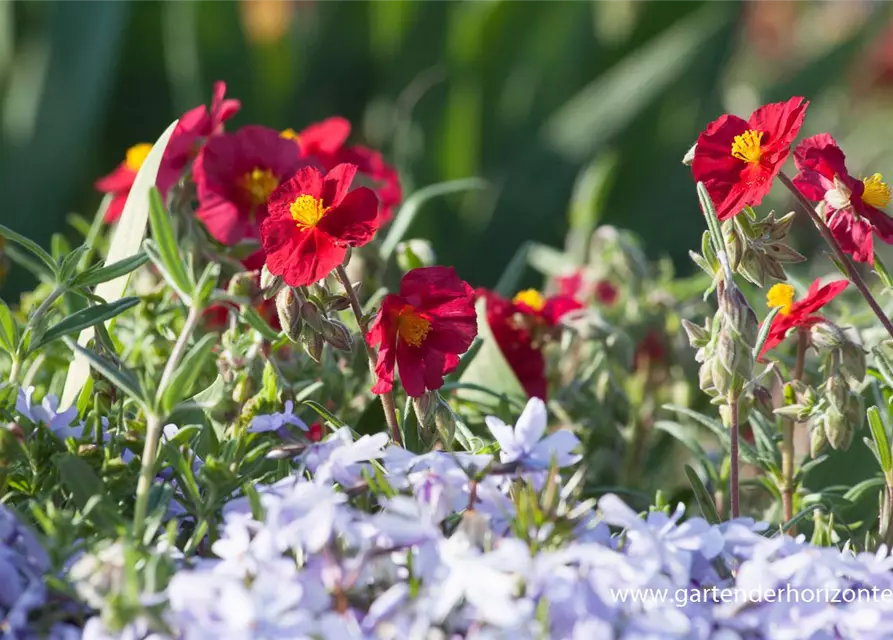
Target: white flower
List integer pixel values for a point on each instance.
(525, 443)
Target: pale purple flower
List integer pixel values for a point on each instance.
(346, 463)
(525, 445)
(275, 421)
(47, 413)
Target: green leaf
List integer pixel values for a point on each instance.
(764, 331)
(85, 318)
(70, 263)
(129, 233)
(205, 286)
(85, 486)
(325, 413)
(372, 419)
(251, 317)
(879, 435)
(8, 330)
(548, 260)
(413, 203)
(854, 494)
(508, 282)
(122, 378)
(188, 372)
(489, 368)
(32, 248)
(588, 203)
(802, 515)
(883, 273)
(99, 274)
(705, 500)
(166, 241)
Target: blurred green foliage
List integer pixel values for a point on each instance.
(532, 96)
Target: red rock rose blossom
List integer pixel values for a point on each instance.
(423, 329)
(574, 285)
(737, 160)
(235, 175)
(193, 128)
(312, 221)
(323, 145)
(802, 313)
(852, 206)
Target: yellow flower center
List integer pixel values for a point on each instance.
(877, 193)
(136, 156)
(411, 327)
(259, 184)
(307, 211)
(747, 146)
(289, 134)
(531, 298)
(781, 295)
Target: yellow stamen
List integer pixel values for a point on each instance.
(747, 146)
(411, 327)
(136, 156)
(877, 193)
(289, 134)
(781, 295)
(307, 211)
(531, 298)
(259, 184)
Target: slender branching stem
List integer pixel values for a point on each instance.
(179, 350)
(734, 484)
(387, 399)
(787, 444)
(147, 471)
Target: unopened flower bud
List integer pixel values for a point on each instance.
(734, 249)
(312, 316)
(698, 336)
(837, 392)
(242, 284)
(242, 390)
(852, 362)
(837, 430)
(425, 407)
(705, 377)
(826, 335)
(736, 358)
(313, 345)
(778, 229)
(270, 284)
(739, 315)
(336, 334)
(763, 401)
(721, 378)
(338, 303)
(445, 420)
(855, 411)
(288, 308)
(817, 439)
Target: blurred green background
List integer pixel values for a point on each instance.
(576, 112)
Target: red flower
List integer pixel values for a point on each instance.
(423, 330)
(797, 314)
(852, 206)
(571, 284)
(235, 175)
(650, 350)
(316, 432)
(549, 310)
(313, 219)
(606, 292)
(192, 129)
(737, 159)
(323, 145)
(574, 286)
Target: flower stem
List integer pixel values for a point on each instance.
(150, 448)
(844, 259)
(179, 349)
(41, 310)
(387, 399)
(734, 498)
(787, 444)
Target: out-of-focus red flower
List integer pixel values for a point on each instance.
(235, 175)
(423, 329)
(119, 181)
(853, 206)
(571, 285)
(323, 144)
(549, 310)
(316, 432)
(193, 128)
(650, 350)
(313, 220)
(215, 316)
(737, 159)
(574, 286)
(606, 292)
(802, 313)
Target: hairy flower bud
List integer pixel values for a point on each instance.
(269, 284)
(288, 306)
(736, 357)
(738, 315)
(313, 345)
(242, 284)
(705, 378)
(425, 407)
(445, 420)
(817, 439)
(826, 335)
(336, 334)
(837, 392)
(763, 401)
(720, 376)
(837, 429)
(852, 362)
(698, 336)
(312, 316)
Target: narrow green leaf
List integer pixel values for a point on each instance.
(764, 331)
(188, 372)
(128, 236)
(32, 248)
(157, 260)
(166, 241)
(884, 365)
(879, 434)
(97, 275)
(121, 378)
(883, 273)
(802, 515)
(206, 283)
(413, 203)
(8, 331)
(511, 276)
(250, 316)
(69, 265)
(325, 413)
(85, 318)
(705, 500)
(588, 202)
(855, 493)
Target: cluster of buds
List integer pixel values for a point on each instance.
(835, 410)
(757, 249)
(437, 421)
(304, 314)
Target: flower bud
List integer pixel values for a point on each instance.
(242, 284)
(698, 336)
(826, 335)
(445, 420)
(837, 429)
(720, 376)
(336, 334)
(734, 248)
(736, 358)
(837, 392)
(338, 303)
(739, 315)
(269, 283)
(705, 377)
(855, 411)
(288, 305)
(313, 345)
(312, 316)
(777, 230)
(852, 362)
(763, 401)
(242, 390)
(425, 407)
(817, 439)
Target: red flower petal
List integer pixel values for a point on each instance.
(324, 137)
(354, 221)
